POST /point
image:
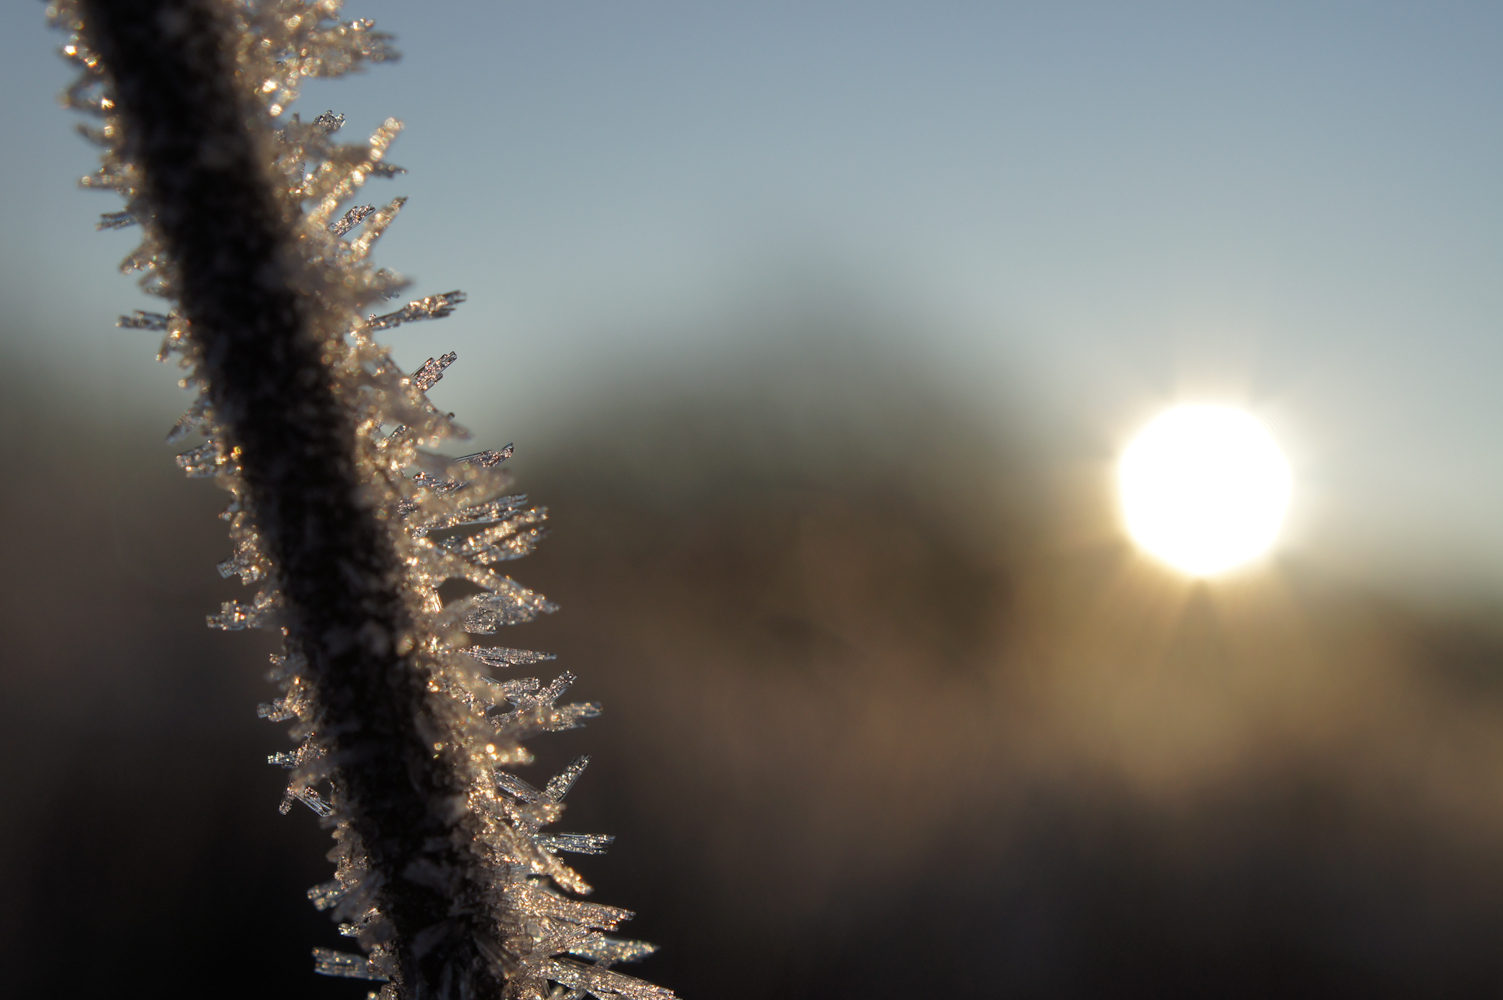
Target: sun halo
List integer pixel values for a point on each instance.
(1203, 488)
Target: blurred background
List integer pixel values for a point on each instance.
(818, 327)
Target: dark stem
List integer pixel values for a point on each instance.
(199, 143)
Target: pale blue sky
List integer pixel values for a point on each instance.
(1296, 206)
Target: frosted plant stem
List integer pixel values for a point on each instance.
(233, 249)
(342, 516)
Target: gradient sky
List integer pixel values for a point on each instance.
(1115, 206)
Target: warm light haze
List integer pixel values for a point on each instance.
(1058, 445)
(1204, 488)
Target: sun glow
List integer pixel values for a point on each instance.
(1204, 488)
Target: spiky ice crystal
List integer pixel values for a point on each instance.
(450, 519)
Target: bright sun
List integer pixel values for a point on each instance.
(1203, 488)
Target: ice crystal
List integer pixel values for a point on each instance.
(427, 376)
(339, 963)
(447, 518)
(115, 220)
(428, 307)
(142, 320)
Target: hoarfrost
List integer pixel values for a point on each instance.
(500, 656)
(143, 320)
(195, 421)
(339, 963)
(604, 983)
(484, 613)
(351, 219)
(308, 797)
(449, 518)
(202, 462)
(427, 376)
(429, 307)
(605, 950)
(558, 786)
(236, 615)
(326, 894)
(577, 843)
(115, 220)
(487, 459)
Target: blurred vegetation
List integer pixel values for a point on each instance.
(890, 712)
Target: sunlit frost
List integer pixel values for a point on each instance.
(451, 520)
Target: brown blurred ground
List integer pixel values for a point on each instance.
(890, 712)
